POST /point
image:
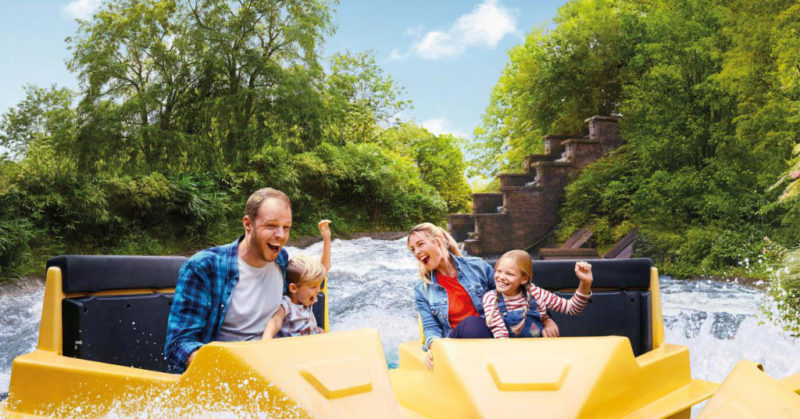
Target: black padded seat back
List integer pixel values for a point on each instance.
(621, 303)
(608, 273)
(92, 273)
(620, 313)
(128, 330)
(319, 310)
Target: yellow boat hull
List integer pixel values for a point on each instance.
(344, 374)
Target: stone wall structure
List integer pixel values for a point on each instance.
(526, 208)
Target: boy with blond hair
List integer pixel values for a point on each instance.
(304, 275)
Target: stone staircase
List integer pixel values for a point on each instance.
(526, 209)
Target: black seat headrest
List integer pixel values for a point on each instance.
(89, 273)
(608, 273)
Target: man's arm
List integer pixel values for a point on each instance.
(188, 315)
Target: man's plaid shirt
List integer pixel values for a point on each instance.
(204, 290)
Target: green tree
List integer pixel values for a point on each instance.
(215, 79)
(186, 107)
(556, 79)
(708, 93)
(41, 125)
(133, 59)
(438, 158)
(360, 99)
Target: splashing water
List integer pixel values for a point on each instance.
(722, 323)
(19, 327)
(370, 285)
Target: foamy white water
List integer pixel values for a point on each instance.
(19, 328)
(370, 285)
(723, 323)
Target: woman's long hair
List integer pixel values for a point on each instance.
(438, 236)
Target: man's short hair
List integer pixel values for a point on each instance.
(258, 197)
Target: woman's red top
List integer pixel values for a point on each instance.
(459, 302)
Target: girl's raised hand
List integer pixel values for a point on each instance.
(583, 271)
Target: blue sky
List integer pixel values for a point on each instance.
(446, 54)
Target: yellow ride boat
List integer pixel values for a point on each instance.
(103, 327)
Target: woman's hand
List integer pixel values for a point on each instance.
(429, 359)
(583, 271)
(550, 329)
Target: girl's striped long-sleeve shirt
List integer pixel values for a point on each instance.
(545, 300)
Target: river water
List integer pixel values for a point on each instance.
(370, 285)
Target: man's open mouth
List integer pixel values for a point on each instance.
(273, 247)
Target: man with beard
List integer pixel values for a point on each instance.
(229, 292)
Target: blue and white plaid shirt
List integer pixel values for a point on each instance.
(202, 295)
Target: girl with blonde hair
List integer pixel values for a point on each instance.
(518, 308)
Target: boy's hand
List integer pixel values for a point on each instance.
(583, 271)
(325, 229)
(550, 329)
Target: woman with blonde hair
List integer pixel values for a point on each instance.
(449, 294)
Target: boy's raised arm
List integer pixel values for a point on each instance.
(325, 230)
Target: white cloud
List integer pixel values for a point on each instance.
(485, 25)
(414, 31)
(395, 54)
(81, 9)
(441, 125)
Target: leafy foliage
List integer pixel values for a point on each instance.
(784, 287)
(439, 159)
(556, 79)
(188, 106)
(709, 97)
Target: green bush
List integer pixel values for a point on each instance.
(167, 166)
(784, 288)
(15, 238)
(370, 188)
(732, 248)
(601, 196)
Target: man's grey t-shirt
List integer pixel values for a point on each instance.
(255, 299)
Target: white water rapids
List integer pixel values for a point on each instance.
(370, 285)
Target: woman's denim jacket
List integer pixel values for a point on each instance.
(474, 274)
